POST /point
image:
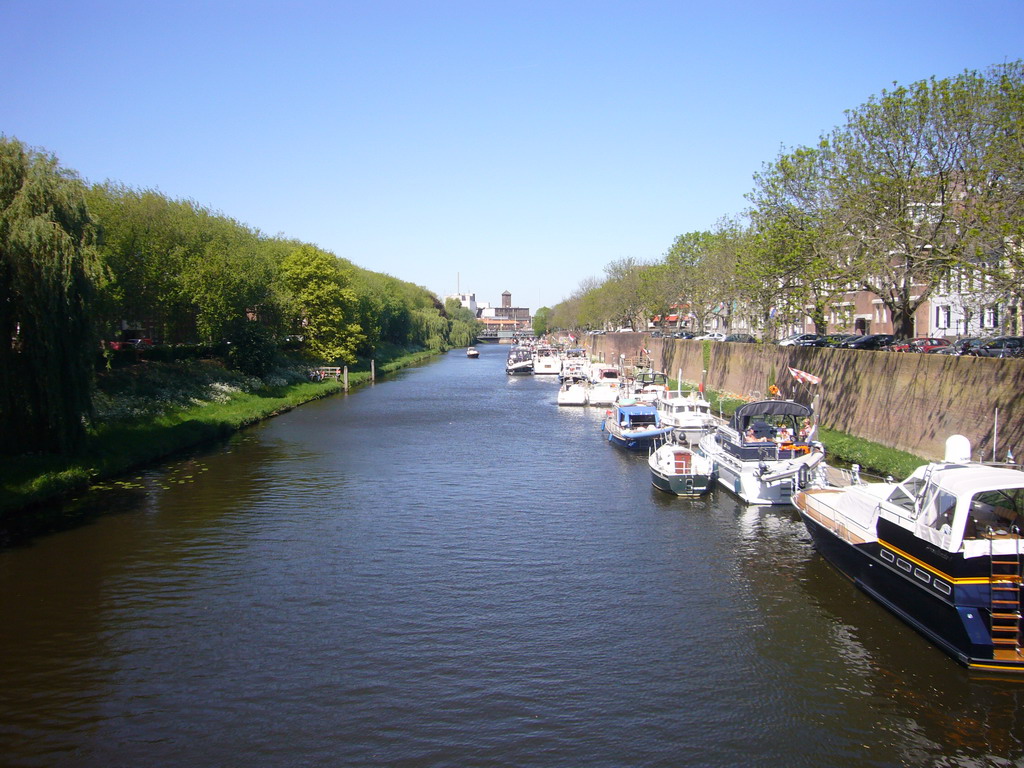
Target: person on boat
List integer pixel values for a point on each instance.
(783, 435)
(805, 430)
(751, 437)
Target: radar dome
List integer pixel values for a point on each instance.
(958, 449)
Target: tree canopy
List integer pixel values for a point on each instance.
(48, 276)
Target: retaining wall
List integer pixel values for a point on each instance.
(908, 401)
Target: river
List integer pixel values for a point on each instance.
(447, 569)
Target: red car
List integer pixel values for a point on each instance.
(920, 344)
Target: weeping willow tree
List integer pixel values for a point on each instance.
(47, 273)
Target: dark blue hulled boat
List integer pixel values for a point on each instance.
(632, 426)
(943, 550)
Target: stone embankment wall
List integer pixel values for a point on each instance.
(908, 401)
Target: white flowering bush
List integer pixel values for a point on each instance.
(144, 391)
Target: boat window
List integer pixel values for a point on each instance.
(905, 494)
(998, 510)
(939, 509)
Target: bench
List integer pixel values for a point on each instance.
(328, 372)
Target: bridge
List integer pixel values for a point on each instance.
(490, 334)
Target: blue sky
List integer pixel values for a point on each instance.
(490, 146)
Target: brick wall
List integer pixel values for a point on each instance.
(908, 401)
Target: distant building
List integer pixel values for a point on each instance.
(512, 317)
(467, 300)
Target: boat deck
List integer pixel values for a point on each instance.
(811, 506)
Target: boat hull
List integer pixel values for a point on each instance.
(760, 482)
(898, 583)
(681, 485)
(637, 441)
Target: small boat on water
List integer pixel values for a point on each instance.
(520, 362)
(573, 391)
(634, 426)
(604, 384)
(647, 387)
(678, 469)
(574, 363)
(689, 413)
(943, 550)
(766, 453)
(472, 352)
(546, 361)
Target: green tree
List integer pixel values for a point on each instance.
(48, 273)
(463, 328)
(702, 265)
(904, 164)
(322, 304)
(795, 263)
(542, 321)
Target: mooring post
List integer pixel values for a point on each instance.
(373, 370)
(346, 378)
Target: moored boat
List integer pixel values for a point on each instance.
(767, 452)
(573, 391)
(647, 386)
(633, 426)
(520, 361)
(546, 361)
(604, 384)
(941, 549)
(678, 469)
(689, 413)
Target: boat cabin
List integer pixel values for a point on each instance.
(637, 417)
(770, 429)
(965, 507)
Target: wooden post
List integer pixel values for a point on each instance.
(346, 378)
(373, 370)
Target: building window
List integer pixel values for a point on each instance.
(992, 316)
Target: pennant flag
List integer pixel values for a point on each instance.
(803, 376)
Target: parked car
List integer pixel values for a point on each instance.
(1001, 346)
(920, 344)
(896, 341)
(743, 338)
(715, 336)
(835, 339)
(961, 345)
(868, 341)
(801, 340)
(682, 335)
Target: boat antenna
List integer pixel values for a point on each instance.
(995, 434)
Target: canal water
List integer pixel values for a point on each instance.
(447, 569)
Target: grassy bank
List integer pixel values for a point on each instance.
(841, 448)
(156, 410)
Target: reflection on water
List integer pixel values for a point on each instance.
(447, 569)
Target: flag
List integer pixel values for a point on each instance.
(803, 376)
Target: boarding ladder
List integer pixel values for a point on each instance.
(1004, 599)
